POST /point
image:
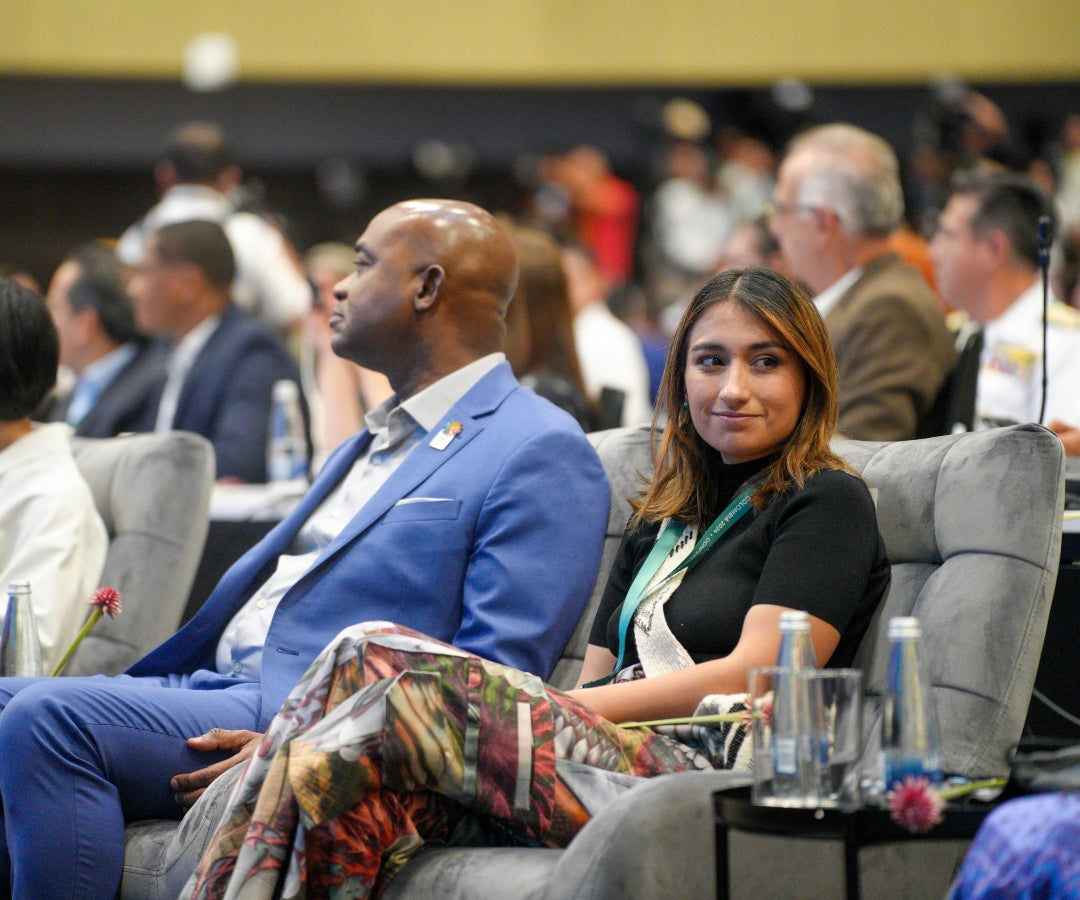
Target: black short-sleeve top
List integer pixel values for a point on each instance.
(816, 548)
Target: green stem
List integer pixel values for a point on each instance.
(90, 623)
(689, 720)
(962, 790)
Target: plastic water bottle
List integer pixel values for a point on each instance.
(20, 649)
(795, 777)
(909, 737)
(287, 451)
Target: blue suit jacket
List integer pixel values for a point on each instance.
(227, 394)
(496, 550)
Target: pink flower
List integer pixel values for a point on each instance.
(914, 805)
(107, 599)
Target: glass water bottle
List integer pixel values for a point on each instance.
(20, 649)
(793, 751)
(909, 736)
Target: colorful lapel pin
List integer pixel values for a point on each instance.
(446, 434)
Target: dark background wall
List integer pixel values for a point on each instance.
(76, 154)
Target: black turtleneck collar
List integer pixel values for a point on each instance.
(731, 477)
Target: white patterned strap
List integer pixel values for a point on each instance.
(658, 649)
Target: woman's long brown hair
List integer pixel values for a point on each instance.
(684, 485)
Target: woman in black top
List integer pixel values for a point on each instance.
(393, 738)
(751, 394)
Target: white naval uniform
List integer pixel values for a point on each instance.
(1010, 372)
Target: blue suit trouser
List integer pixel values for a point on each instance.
(81, 756)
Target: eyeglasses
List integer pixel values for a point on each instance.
(776, 210)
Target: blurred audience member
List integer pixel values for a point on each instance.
(50, 531)
(630, 304)
(956, 130)
(752, 244)
(691, 220)
(1068, 190)
(118, 373)
(221, 372)
(20, 275)
(195, 177)
(540, 327)
(603, 209)
(914, 249)
(746, 174)
(838, 200)
(608, 350)
(1065, 267)
(339, 390)
(987, 257)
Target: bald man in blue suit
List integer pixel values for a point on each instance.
(470, 509)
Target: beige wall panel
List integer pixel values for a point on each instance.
(700, 42)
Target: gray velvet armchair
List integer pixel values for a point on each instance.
(972, 526)
(153, 492)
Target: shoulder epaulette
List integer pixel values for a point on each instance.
(1062, 315)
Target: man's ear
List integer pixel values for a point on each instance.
(828, 222)
(165, 175)
(88, 323)
(431, 283)
(998, 246)
(190, 278)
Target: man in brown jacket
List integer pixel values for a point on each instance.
(837, 200)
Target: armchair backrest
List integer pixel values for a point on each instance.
(153, 492)
(972, 528)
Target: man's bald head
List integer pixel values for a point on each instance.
(429, 294)
(469, 242)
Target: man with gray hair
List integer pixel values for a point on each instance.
(837, 200)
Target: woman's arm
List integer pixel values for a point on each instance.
(678, 693)
(599, 661)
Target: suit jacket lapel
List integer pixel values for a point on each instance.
(425, 459)
(236, 582)
(841, 309)
(202, 366)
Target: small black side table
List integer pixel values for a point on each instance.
(857, 828)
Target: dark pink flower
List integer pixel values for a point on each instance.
(107, 599)
(914, 805)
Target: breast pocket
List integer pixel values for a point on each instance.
(423, 509)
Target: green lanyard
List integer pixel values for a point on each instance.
(664, 543)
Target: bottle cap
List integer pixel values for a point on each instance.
(904, 627)
(19, 587)
(794, 620)
(285, 389)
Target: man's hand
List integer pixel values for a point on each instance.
(189, 787)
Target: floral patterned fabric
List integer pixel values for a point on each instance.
(392, 739)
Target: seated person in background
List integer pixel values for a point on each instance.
(425, 741)
(21, 276)
(50, 532)
(987, 256)
(610, 353)
(540, 329)
(196, 176)
(340, 391)
(118, 372)
(469, 508)
(837, 201)
(222, 370)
